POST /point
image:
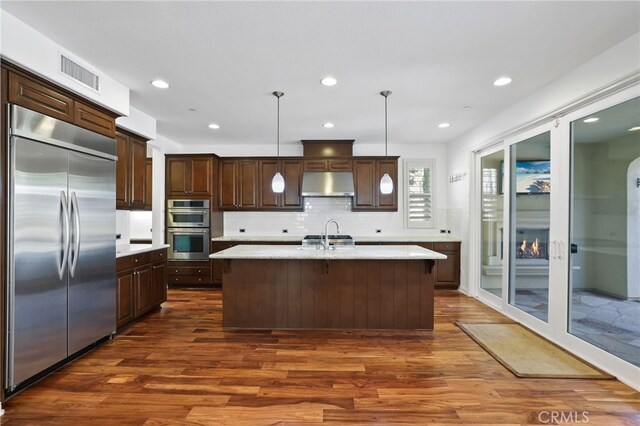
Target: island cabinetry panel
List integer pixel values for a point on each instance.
(291, 198)
(130, 171)
(140, 285)
(189, 176)
(195, 273)
(335, 294)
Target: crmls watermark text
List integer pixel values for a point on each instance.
(553, 417)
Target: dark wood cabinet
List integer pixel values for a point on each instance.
(189, 176)
(141, 284)
(216, 264)
(291, 198)
(238, 184)
(148, 184)
(448, 271)
(189, 273)
(38, 95)
(130, 171)
(122, 171)
(328, 164)
(137, 160)
(125, 309)
(367, 173)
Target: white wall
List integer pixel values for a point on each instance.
(613, 64)
(28, 48)
(139, 123)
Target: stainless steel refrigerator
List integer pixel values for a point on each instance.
(61, 252)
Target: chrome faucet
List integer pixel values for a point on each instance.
(325, 239)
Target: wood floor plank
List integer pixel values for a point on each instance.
(179, 367)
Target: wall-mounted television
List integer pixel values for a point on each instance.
(532, 177)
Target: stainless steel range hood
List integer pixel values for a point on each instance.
(327, 184)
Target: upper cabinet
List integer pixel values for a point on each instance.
(238, 184)
(328, 165)
(291, 198)
(367, 173)
(148, 184)
(189, 176)
(131, 172)
(30, 92)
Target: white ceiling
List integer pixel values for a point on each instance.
(225, 58)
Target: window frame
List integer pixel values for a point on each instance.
(429, 163)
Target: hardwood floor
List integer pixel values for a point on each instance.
(178, 366)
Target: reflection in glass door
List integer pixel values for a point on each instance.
(530, 177)
(605, 230)
(492, 207)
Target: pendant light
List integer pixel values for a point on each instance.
(386, 183)
(277, 183)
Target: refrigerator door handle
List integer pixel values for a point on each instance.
(64, 234)
(75, 212)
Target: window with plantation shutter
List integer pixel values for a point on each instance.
(419, 194)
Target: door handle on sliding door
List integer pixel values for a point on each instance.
(64, 233)
(76, 238)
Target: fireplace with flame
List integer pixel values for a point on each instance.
(531, 243)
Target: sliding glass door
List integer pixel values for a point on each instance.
(529, 224)
(604, 302)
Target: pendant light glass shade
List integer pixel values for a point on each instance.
(386, 184)
(277, 183)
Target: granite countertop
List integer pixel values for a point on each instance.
(123, 250)
(363, 239)
(310, 252)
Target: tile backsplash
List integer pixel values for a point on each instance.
(317, 211)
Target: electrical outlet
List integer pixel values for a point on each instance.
(242, 230)
(285, 231)
(443, 231)
(378, 231)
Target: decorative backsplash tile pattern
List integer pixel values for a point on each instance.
(316, 213)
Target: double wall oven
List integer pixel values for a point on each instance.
(188, 229)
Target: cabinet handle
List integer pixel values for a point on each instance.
(199, 279)
(135, 260)
(176, 279)
(176, 270)
(199, 270)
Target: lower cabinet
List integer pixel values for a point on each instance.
(141, 285)
(189, 273)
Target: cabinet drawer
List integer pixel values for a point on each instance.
(94, 120)
(39, 97)
(189, 270)
(158, 255)
(446, 246)
(340, 165)
(133, 261)
(315, 165)
(189, 279)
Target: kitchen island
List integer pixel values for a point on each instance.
(358, 287)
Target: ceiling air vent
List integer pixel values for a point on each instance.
(79, 73)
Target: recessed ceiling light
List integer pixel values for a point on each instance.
(590, 120)
(327, 125)
(329, 81)
(160, 84)
(214, 126)
(502, 81)
(634, 129)
(444, 125)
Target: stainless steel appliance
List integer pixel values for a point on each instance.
(188, 243)
(188, 213)
(188, 229)
(61, 252)
(327, 184)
